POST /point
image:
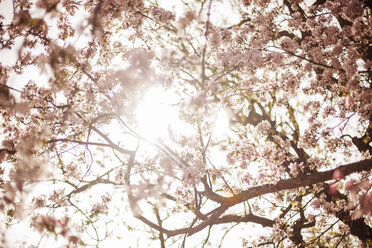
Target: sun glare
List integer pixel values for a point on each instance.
(157, 117)
(222, 123)
(156, 114)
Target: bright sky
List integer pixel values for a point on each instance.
(157, 114)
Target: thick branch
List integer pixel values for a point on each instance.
(12, 152)
(247, 218)
(301, 181)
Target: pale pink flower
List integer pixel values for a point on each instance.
(263, 126)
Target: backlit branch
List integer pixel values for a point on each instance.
(301, 181)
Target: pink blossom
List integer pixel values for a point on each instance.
(333, 189)
(263, 126)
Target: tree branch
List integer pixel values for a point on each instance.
(247, 218)
(301, 181)
(112, 145)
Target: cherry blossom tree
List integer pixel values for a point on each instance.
(292, 167)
